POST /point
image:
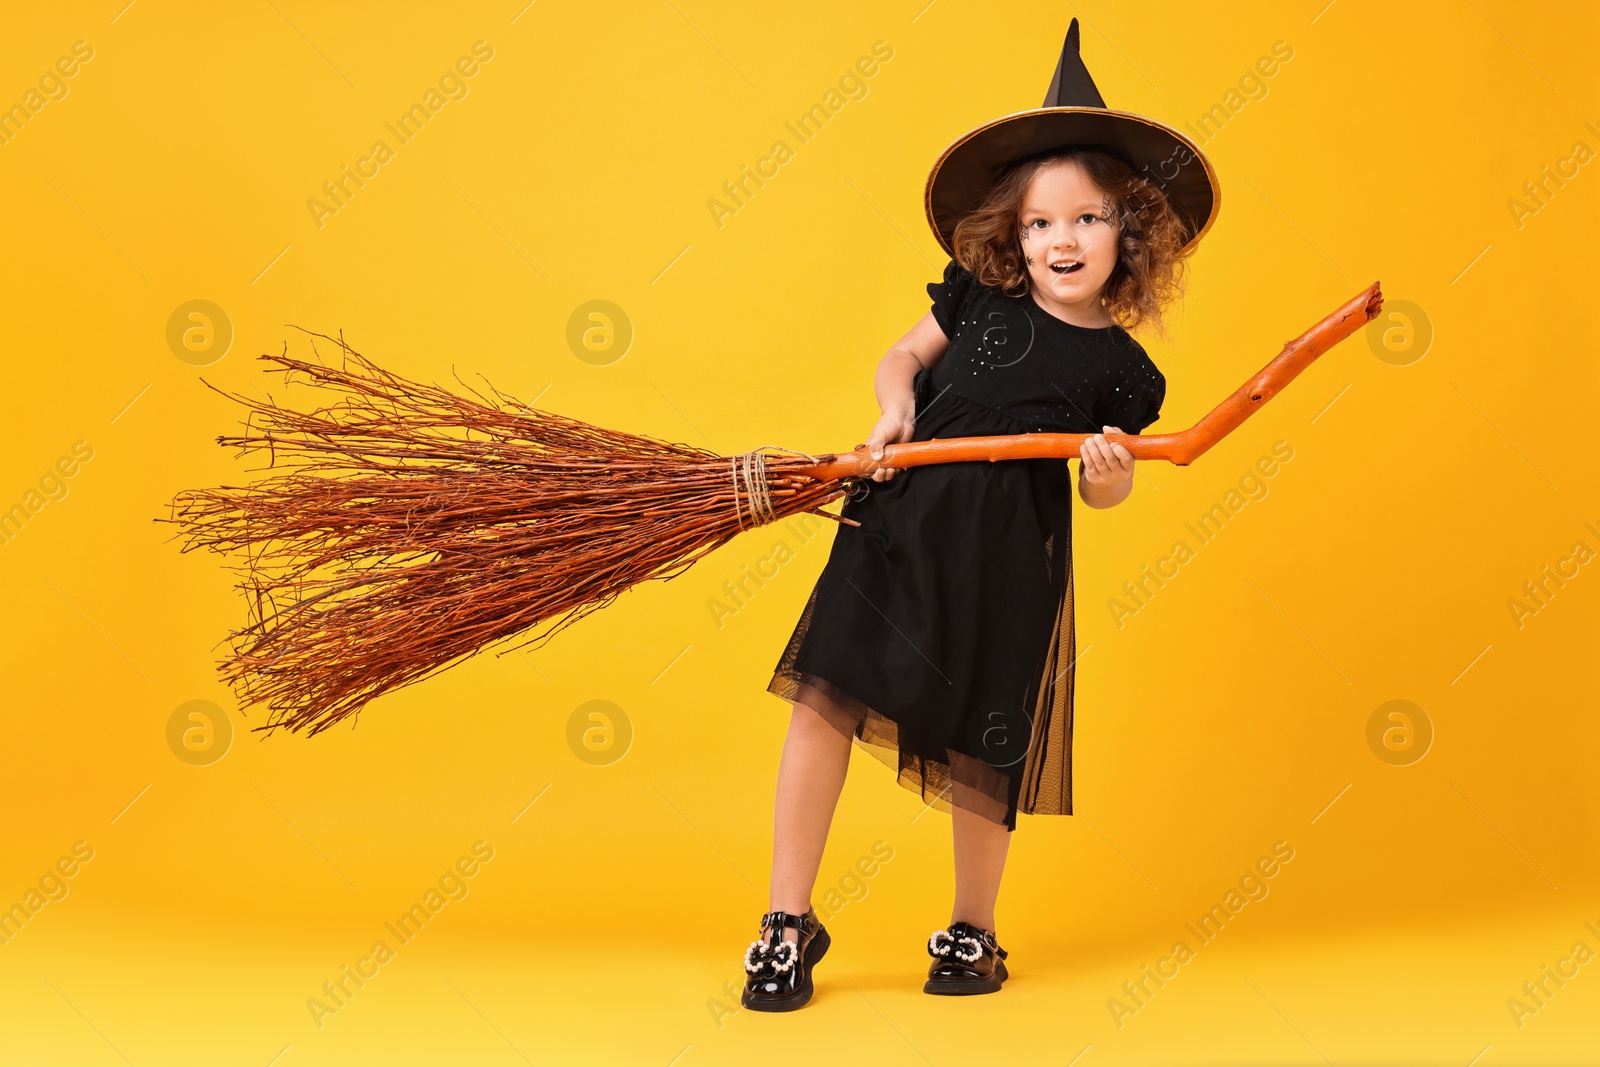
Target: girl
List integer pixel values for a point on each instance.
(940, 634)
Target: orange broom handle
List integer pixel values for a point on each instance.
(1180, 448)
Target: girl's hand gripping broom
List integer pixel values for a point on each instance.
(415, 527)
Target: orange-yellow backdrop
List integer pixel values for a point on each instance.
(1439, 464)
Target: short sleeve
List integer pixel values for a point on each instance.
(1137, 402)
(950, 295)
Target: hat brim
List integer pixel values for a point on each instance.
(969, 168)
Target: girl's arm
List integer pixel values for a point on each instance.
(922, 347)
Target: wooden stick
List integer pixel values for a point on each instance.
(1180, 448)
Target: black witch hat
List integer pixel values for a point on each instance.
(1074, 113)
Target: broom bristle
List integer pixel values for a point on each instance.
(412, 527)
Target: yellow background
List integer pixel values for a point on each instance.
(1226, 715)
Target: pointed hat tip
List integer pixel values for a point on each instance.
(1072, 86)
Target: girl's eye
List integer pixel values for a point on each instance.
(1039, 222)
(1091, 218)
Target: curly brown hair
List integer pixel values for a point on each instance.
(1150, 244)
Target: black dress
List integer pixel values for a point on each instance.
(940, 632)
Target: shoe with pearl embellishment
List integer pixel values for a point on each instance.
(966, 960)
(777, 970)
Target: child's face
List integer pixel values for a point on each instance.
(1066, 218)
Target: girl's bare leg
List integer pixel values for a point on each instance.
(980, 848)
(810, 776)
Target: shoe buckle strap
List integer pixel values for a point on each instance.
(782, 919)
(768, 960)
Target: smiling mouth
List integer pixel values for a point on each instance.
(1066, 268)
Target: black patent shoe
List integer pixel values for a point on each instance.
(966, 960)
(778, 973)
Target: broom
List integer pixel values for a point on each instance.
(412, 526)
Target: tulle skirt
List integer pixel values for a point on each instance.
(940, 632)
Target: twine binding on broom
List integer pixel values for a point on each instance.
(752, 468)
